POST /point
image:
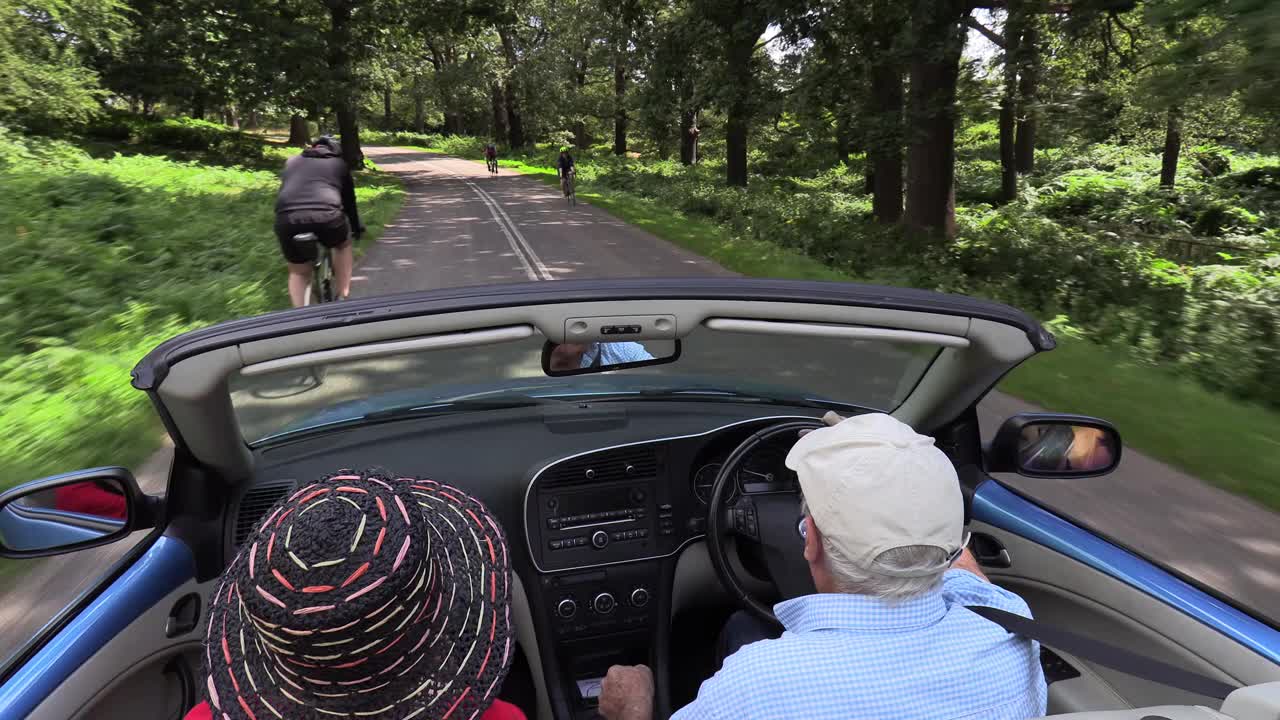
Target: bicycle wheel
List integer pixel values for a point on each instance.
(327, 292)
(573, 192)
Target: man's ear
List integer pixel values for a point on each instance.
(812, 541)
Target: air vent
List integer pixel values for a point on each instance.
(631, 463)
(255, 504)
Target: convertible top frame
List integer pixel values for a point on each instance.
(188, 376)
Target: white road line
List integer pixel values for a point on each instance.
(511, 240)
(537, 261)
(519, 244)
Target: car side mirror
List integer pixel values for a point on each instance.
(74, 511)
(1043, 445)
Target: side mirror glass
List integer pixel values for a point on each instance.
(1062, 446)
(563, 359)
(71, 512)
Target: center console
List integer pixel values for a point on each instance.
(598, 526)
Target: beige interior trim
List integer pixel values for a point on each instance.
(528, 639)
(852, 332)
(1114, 611)
(472, 338)
(142, 642)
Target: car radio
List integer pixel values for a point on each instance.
(600, 508)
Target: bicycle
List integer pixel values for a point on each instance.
(570, 195)
(492, 164)
(321, 289)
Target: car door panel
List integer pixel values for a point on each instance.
(115, 635)
(1082, 583)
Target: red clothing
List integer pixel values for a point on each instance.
(90, 499)
(498, 711)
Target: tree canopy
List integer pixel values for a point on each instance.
(885, 82)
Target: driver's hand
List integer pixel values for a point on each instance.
(831, 418)
(627, 693)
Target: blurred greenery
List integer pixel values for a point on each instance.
(107, 257)
(1188, 280)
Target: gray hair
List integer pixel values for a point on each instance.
(854, 579)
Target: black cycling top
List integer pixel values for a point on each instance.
(565, 163)
(318, 179)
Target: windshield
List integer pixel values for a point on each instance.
(713, 364)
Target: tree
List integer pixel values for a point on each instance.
(935, 69)
(736, 27)
(44, 80)
(885, 103)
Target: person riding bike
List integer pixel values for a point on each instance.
(491, 157)
(317, 195)
(564, 167)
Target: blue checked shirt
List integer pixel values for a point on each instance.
(850, 656)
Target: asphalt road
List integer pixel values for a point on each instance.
(460, 226)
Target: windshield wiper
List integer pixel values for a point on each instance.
(713, 394)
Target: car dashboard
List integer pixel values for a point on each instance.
(598, 500)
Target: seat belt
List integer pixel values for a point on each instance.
(1106, 655)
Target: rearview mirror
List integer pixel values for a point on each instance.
(1064, 446)
(562, 359)
(72, 512)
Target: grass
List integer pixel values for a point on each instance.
(1233, 445)
(109, 256)
(1223, 441)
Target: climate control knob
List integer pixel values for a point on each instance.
(604, 603)
(567, 608)
(599, 539)
(639, 597)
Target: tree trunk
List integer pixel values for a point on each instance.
(515, 124)
(386, 107)
(1028, 88)
(198, 102)
(884, 144)
(1014, 27)
(935, 70)
(620, 105)
(299, 132)
(844, 138)
(689, 137)
(1172, 147)
(251, 120)
(510, 95)
(419, 114)
(344, 88)
(499, 114)
(742, 44)
(1008, 121)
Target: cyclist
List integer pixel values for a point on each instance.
(491, 157)
(317, 195)
(564, 168)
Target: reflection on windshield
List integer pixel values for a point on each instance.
(738, 367)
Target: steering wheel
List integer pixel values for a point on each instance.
(771, 519)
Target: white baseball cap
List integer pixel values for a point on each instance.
(873, 484)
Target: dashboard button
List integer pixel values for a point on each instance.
(555, 544)
(639, 597)
(567, 608)
(604, 603)
(637, 495)
(599, 539)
